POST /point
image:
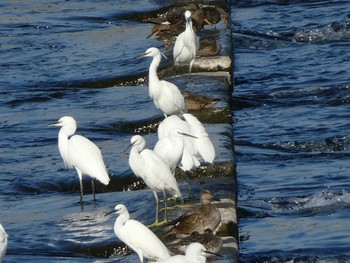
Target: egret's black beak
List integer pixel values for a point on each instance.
(110, 212)
(127, 148)
(56, 123)
(145, 54)
(188, 135)
(141, 56)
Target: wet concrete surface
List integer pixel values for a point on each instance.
(211, 77)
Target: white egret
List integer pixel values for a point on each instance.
(166, 96)
(137, 236)
(153, 170)
(186, 44)
(172, 147)
(204, 145)
(3, 242)
(207, 216)
(195, 253)
(80, 153)
(201, 145)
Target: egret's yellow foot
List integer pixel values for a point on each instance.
(168, 199)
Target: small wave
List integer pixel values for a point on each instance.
(333, 144)
(322, 202)
(327, 199)
(333, 32)
(327, 145)
(288, 97)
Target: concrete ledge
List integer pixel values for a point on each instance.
(215, 71)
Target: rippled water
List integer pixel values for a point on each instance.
(78, 58)
(291, 114)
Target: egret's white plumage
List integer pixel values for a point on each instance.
(193, 147)
(80, 153)
(3, 242)
(166, 96)
(171, 148)
(153, 170)
(204, 145)
(186, 44)
(138, 237)
(195, 253)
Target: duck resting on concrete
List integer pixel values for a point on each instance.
(207, 216)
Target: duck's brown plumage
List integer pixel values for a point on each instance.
(207, 216)
(208, 239)
(173, 23)
(197, 102)
(208, 46)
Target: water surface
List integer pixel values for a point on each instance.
(291, 128)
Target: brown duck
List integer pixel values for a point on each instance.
(197, 102)
(207, 216)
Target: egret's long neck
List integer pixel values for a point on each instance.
(153, 67)
(189, 25)
(135, 160)
(121, 220)
(153, 77)
(63, 139)
(125, 216)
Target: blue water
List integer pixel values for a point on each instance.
(79, 58)
(291, 129)
(290, 113)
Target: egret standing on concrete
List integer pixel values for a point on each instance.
(80, 153)
(186, 45)
(3, 242)
(172, 147)
(166, 96)
(201, 145)
(138, 237)
(157, 175)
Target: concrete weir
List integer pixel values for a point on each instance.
(208, 96)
